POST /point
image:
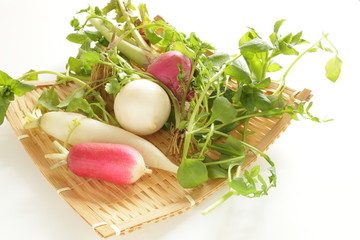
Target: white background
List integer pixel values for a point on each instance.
(317, 196)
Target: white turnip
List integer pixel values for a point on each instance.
(142, 107)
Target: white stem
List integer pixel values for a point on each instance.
(61, 148)
(140, 56)
(140, 41)
(56, 156)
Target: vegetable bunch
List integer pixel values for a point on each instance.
(210, 93)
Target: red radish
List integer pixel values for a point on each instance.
(166, 69)
(115, 163)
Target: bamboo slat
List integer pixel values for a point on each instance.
(116, 210)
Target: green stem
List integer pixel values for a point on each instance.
(63, 78)
(219, 126)
(218, 202)
(208, 139)
(136, 35)
(282, 85)
(187, 87)
(252, 148)
(140, 56)
(191, 124)
(225, 160)
(332, 45)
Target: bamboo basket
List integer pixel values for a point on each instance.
(116, 210)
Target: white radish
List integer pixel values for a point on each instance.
(61, 125)
(142, 107)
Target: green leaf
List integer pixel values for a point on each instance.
(181, 47)
(75, 24)
(241, 187)
(80, 104)
(191, 173)
(278, 24)
(215, 171)
(31, 77)
(253, 98)
(277, 101)
(261, 101)
(84, 10)
(222, 110)
(255, 171)
(273, 176)
(262, 84)
(229, 127)
(255, 45)
(91, 57)
(93, 35)
(238, 72)
(218, 59)
(324, 48)
(152, 36)
(12, 86)
(109, 7)
(4, 104)
(75, 65)
(113, 86)
(225, 149)
(314, 49)
(4, 78)
(98, 11)
(297, 40)
(274, 67)
(8, 88)
(49, 99)
(85, 47)
(248, 36)
(21, 88)
(144, 13)
(287, 49)
(77, 93)
(78, 38)
(333, 68)
(231, 147)
(236, 145)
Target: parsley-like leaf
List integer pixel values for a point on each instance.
(8, 89)
(191, 173)
(222, 110)
(333, 68)
(49, 99)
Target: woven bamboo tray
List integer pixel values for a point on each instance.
(116, 210)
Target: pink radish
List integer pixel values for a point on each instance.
(115, 163)
(166, 69)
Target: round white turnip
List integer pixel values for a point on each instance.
(142, 107)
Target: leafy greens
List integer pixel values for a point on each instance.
(229, 90)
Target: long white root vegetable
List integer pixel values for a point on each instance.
(76, 128)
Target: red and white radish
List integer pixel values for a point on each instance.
(115, 163)
(142, 107)
(166, 69)
(58, 125)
